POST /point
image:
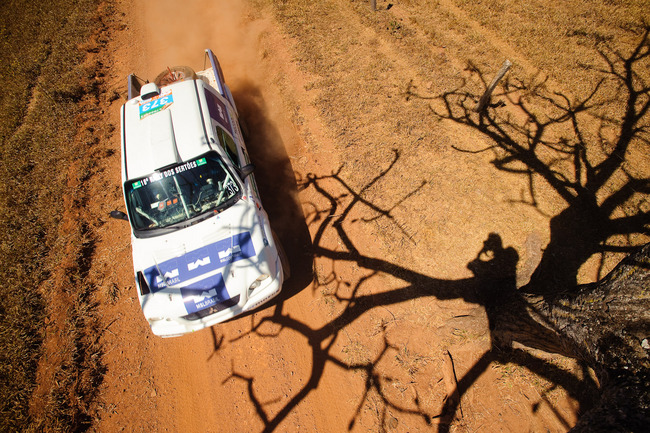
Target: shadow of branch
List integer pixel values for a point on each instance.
(581, 148)
(552, 144)
(492, 287)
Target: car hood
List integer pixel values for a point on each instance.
(209, 264)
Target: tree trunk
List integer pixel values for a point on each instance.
(606, 324)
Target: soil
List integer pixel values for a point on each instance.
(380, 217)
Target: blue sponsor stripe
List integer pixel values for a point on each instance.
(163, 275)
(199, 262)
(236, 248)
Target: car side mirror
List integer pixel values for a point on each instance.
(118, 215)
(246, 170)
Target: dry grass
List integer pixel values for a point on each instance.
(356, 354)
(46, 79)
(376, 79)
(409, 361)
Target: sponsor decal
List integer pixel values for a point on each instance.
(200, 294)
(261, 223)
(192, 266)
(159, 175)
(167, 278)
(218, 111)
(204, 293)
(155, 104)
(229, 253)
(163, 275)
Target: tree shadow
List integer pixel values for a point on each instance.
(581, 149)
(604, 199)
(492, 284)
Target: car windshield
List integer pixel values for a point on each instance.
(180, 193)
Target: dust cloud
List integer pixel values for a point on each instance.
(178, 34)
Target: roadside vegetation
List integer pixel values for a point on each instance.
(48, 85)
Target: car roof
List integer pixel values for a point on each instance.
(162, 130)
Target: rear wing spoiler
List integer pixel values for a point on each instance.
(135, 83)
(219, 78)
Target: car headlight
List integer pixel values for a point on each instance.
(257, 282)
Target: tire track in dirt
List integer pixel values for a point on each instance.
(473, 30)
(509, 51)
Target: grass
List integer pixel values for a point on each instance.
(409, 361)
(360, 66)
(356, 354)
(46, 79)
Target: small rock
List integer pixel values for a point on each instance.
(645, 344)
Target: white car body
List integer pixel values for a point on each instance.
(203, 249)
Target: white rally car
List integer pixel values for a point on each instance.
(203, 249)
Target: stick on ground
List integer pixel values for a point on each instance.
(488, 92)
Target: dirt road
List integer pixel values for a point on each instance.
(380, 216)
(229, 378)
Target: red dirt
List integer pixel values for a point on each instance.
(299, 364)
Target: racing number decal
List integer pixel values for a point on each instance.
(156, 104)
